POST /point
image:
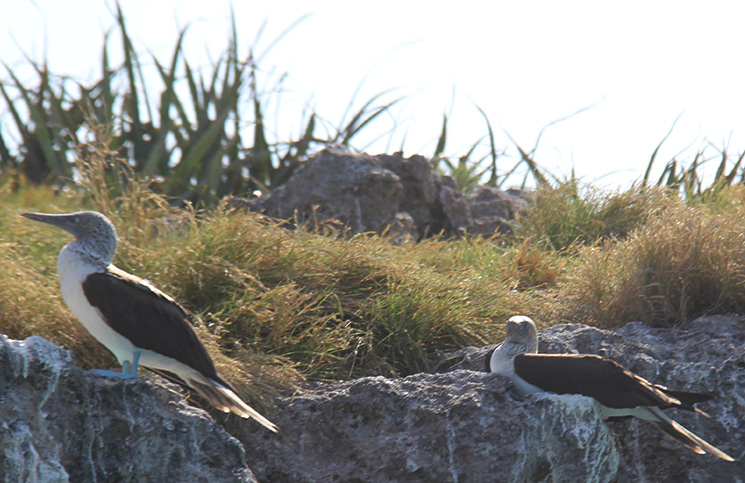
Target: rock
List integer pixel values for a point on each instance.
(706, 356)
(416, 176)
(384, 193)
(337, 184)
(457, 426)
(59, 423)
(401, 228)
(485, 212)
(466, 425)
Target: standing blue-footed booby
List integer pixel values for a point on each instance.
(138, 323)
(619, 392)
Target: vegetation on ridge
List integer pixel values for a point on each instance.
(280, 306)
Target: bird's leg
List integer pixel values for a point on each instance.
(129, 369)
(135, 364)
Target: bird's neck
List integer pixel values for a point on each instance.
(503, 358)
(82, 251)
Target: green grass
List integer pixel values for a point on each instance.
(570, 213)
(279, 306)
(686, 261)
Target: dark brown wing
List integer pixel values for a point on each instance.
(148, 318)
(602, 379)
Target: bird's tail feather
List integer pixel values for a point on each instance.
(226, 400)
(687, 399)
(686, 437)
(219, 394)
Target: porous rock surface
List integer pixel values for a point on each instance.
(706, 356)
(458, 426)
(465, 425)
(59, 423)
(385, 193)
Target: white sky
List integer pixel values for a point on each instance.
(525, 63)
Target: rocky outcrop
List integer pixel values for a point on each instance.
(706, 356)
(385, 193)
(466, 425)
(59, 423)
(335, 184)
(485, 212)
(461, 424)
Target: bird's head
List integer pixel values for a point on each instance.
(521, 330)
(93, 230)
(521, 337)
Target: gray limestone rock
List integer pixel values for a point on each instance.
(706, 356)
(485, 212)
(385, 193)
(337, 184)
(458, 426)
(59, 423)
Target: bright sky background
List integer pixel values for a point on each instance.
(641, 64)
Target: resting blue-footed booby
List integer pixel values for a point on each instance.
(619, 392)
(138, 323)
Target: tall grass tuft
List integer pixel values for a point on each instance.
(684, 262)
(572, 213)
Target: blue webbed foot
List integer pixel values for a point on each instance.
(120, 375)
(129, 370)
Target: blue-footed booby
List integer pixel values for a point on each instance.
(619, 392)
(138, 323)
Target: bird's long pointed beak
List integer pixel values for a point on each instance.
(65, 222)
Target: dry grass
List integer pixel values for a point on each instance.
(30, 301)
(277, 306)
(684, 262)
(280, 306)
(571, 213)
